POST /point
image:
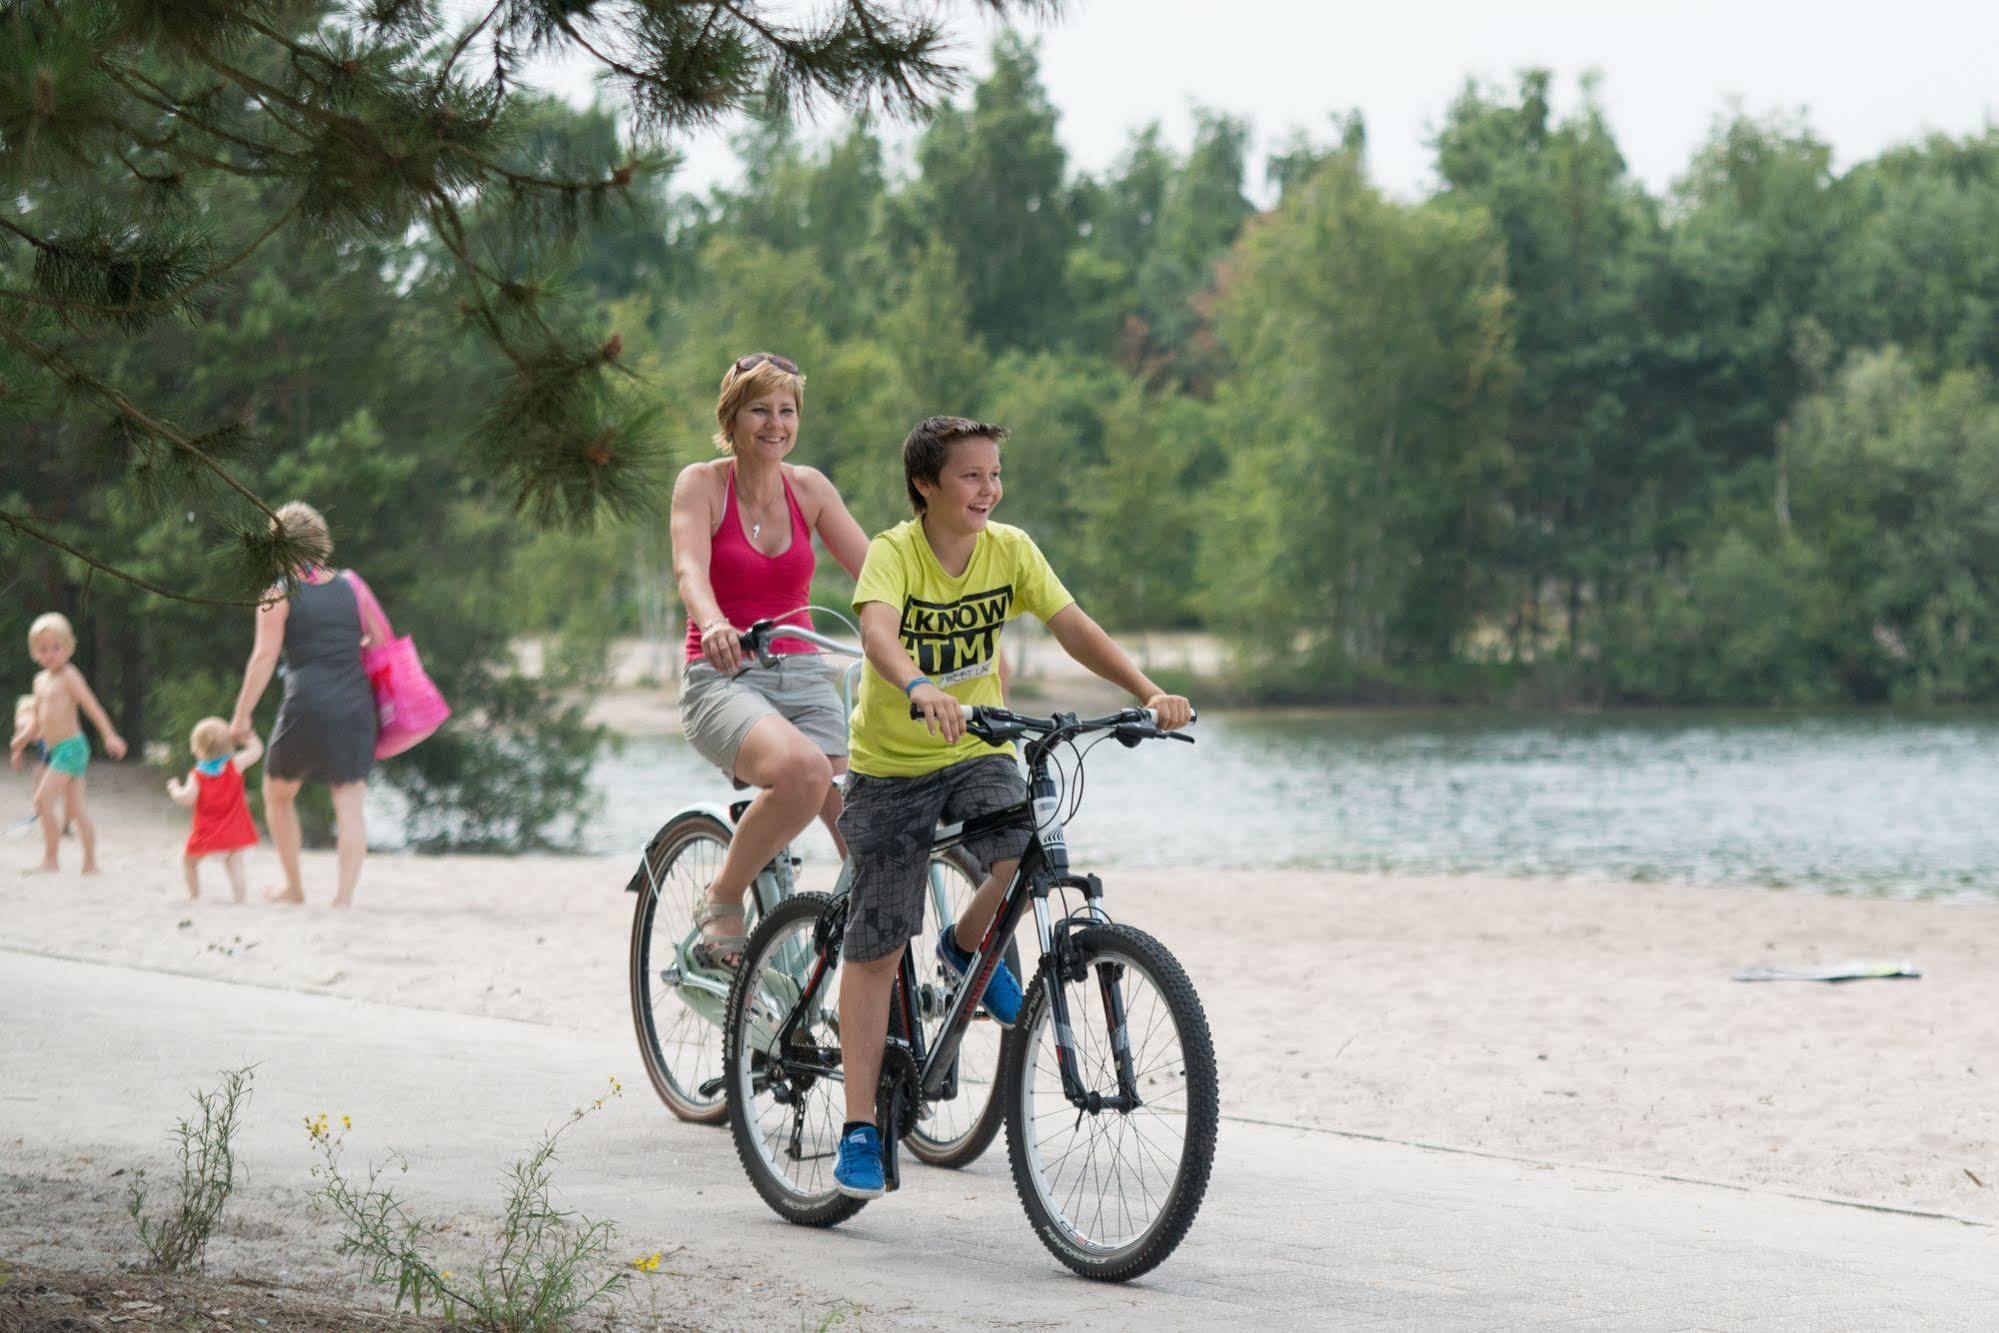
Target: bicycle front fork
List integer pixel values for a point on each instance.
(1058, 943)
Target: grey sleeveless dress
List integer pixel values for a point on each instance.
(326, 723)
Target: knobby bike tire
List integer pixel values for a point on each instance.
(672, 840)
(1190, 1186)
(812, 1211)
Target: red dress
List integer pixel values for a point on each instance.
(221, 814)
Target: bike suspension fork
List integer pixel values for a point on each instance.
(1057, 942)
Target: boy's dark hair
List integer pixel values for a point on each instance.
(928, 447)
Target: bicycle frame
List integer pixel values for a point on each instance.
(1044, 866)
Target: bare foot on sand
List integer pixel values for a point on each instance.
(343, 900)
(91, 869)
(295, 897)
(45, 868)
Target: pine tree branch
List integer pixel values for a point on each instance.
(861, 16)
(292, 45)
(142, 173)
(444, 74)
(158, 303)
(28, 529)
(611, 63)
(26, 235)
(70, 372)
(617, 180)
(163, 100)
(266, 93)
(451, 231)
(172, 145)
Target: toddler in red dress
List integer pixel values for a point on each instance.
(213, 789)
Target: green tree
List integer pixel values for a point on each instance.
(1372, 368)
(1913, 266)
(1896, 483)
(993, 189)
(1580, 241)
(361, 121)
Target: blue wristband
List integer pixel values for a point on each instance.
(910, 688)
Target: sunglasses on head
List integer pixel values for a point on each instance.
(755, 359)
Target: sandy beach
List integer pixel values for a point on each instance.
(1577, 1023)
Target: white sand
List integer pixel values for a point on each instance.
(1585, 1023)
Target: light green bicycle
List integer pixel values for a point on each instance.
(678, 1006)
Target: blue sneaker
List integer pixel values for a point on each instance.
(1002, 997)
(858, 1173)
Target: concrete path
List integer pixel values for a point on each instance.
(1300, 1229)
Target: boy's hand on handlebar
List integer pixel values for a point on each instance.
(722, 645)
(1173, 709)
(940, 712)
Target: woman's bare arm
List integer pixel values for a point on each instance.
(271, 617)
(693, 543)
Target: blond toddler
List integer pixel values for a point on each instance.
(62, 699)
(213, 789)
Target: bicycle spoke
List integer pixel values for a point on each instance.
(1111, 1175)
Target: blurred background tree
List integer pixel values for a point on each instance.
(1541, 435)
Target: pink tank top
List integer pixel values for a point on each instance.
(750, 586)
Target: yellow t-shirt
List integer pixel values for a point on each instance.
(951, 630)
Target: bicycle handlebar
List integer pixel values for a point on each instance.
(994, 726)
(756, 641)
(997, 726)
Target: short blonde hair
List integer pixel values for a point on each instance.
(56, 623)
(745, 386)
(210, 738)
(306, 526)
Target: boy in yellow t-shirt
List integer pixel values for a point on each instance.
(933, 597)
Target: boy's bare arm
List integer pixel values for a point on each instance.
(79, 688)
(881, 639)
(182, 791)
(252, 751)
(1086, 642)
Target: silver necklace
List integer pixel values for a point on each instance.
(756, 526)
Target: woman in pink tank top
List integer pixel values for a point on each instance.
(742, 551)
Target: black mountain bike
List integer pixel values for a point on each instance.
(1108, 1077)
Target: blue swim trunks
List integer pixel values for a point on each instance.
(70, 757)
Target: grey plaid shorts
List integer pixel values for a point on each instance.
(889, 823)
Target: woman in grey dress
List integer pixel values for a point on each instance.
(326, 723)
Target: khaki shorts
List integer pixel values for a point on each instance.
(717, 711)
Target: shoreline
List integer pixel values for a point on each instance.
(1589, 1023)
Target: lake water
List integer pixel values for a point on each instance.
(1899, 805)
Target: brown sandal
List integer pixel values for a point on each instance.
(717, 953)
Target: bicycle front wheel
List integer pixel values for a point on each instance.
(677, 1011)
(1112, 1192)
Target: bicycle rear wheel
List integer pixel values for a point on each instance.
(786, 1123)
(1112, 1193)
(677, 1012)
(953, 1131)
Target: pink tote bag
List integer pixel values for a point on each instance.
(408, 707)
